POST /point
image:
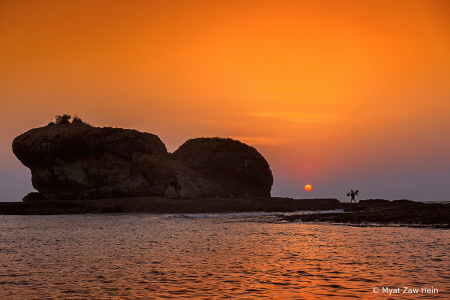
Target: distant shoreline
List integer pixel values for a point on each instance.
(376, 211)
(165, 205)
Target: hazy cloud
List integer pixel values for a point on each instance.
(294, 116)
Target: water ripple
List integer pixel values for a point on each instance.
(236, 256)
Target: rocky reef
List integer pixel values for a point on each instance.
(165, 205)
(384, 212)
(77, 161)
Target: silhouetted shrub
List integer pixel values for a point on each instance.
(64, 119)
(77, 119)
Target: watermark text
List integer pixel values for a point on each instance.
(405, 290)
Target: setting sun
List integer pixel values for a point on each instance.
(308, 187)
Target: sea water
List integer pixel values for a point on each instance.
(217, 256)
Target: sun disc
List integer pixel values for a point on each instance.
(308, 187)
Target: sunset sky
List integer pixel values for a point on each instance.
(337, 94)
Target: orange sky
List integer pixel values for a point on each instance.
(336, 94)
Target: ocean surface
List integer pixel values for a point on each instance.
(217, 256)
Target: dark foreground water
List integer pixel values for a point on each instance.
(241, 256)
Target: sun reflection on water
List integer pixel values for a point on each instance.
(204, 257)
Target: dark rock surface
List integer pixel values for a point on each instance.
(165, 205)
(237, 167)
(397, 213)
(78, 161)
(33, 196)
(385, 212)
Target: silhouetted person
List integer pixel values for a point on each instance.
(353, 194)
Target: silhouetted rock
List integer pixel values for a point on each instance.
(379, 211)
(163, 205)
(165, 171)
(33, 196)
(233, 165)
(374, 201)
(79, 161)
(68, 161)
(171, 193)
(193, 185)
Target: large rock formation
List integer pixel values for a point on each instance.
(231, 164)
(78, 161)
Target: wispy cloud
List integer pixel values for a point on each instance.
(295, 116)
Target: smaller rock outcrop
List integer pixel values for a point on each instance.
(231, 164)
(33, 196)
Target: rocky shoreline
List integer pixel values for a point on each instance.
(384, 212)
(165, 205)
(77, 168)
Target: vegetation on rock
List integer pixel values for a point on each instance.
(64, 119)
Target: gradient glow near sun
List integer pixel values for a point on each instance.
(308, 187)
